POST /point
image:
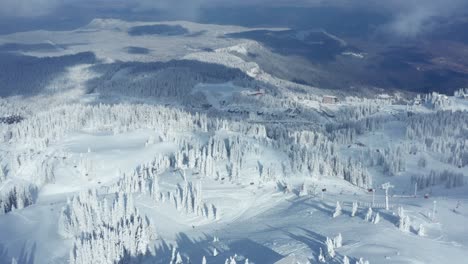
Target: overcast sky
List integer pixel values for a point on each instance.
(411, 17)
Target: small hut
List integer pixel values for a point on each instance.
(329, 99)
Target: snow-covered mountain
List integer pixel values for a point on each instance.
(138, 142)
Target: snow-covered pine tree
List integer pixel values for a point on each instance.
(345, 260)
(354, 209)
(362, 261)
(376, 218)
(337, 210)
(321, 257)
(421, 230)
(368, 215)
(330, 247)
(338, 241)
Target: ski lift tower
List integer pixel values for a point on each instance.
(386, 186)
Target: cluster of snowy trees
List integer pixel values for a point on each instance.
(461, 92)
(190, 199)
(310, 161)
(176, 257)
(18, 194)
(436, 101)
(13, 108)
(172, 79)
(52, 124)
(202, 157)
(345, 132)
(26, 75)
(443, 132)
(404, 221)
(369, 217)
(372, 217)
(361, 109)
(332, 244)
(438, 124)
(104, 231)
(447, 178)
(311, 153)
(226, 157)
(17, 197)
(319, 155)
(144, 179)
(186, 198)
(391, 159)
(42, 166)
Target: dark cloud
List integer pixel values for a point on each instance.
(414, 17)
(181, 8)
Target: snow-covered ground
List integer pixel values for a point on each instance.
(259, 176)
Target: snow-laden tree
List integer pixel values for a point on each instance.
(369, 214)
(346, 260)
(178, 259)
(376, 218)
(330, 247)
(421, 230)
(321, 257)
(174, 253)
(2, 174)
(337, 210)
(354, 209)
